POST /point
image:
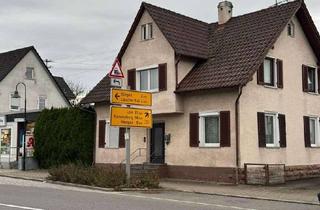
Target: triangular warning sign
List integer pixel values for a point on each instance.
(116, 71)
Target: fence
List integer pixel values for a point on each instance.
(264, 174)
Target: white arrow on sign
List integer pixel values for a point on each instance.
(116, 82)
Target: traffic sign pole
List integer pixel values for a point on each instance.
(128, 165)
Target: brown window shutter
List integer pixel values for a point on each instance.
(282, 130)
(306, 121)
(280, 73)
(122, 143)
(162, 77)
(132, 79)
(260, 75)
(305, 87)
(194, 130)
(261, 130)
(102, 133)
(225, 129)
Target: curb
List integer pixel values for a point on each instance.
(84, 186)
(246, 197)
(102, 188)
(23, 178)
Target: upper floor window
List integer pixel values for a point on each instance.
(42, 100)
(146, 31)
(309, 79)
(268, 73)
(291, 28)
(271, 73)
(271, 130)
(30, 73)
(152, 78)
(148, 79)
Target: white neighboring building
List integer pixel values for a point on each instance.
(43, 91)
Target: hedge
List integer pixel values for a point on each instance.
(63, 136)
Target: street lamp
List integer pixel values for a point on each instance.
(17, 97)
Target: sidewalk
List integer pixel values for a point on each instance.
(304, 191)
(37, 175)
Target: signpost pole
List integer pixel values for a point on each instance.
(127, 145)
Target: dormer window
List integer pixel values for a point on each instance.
(146, 31)
(291, 29)
(30, 73)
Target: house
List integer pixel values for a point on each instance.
(42, 89)
(241, 90)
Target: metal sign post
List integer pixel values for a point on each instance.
(127, 145)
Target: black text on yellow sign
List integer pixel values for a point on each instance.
(131, 117)
(129, 97)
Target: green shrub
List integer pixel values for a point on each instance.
(101, 177)
(63, 136)
(145, 180)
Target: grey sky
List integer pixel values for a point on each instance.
(83, 37)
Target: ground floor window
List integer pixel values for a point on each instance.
(112, 136)
(5, 140)
(209, 124)
(314, 131)
(272, 130)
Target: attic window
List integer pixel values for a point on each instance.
(30, 73)
(146, 31)
(291, 29)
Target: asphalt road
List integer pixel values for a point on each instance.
(21, 194)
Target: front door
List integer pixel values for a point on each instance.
(157, 143)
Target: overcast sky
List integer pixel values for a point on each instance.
(83, 37)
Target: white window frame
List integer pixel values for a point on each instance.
(10, 105)
(148, 68)
(108, 144)
(146, 31)
(292, 25)
(45, 102)
(275, 71)
(317, 131)
(315, 79)
(276, 131)
(33, 74)
(202, 116)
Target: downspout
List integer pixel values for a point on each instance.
(237, 134)
(176, 68)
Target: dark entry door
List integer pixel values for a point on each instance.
(157, 143)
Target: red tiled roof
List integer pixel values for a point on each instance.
(228, 54)
(238, 47)
(100, 93)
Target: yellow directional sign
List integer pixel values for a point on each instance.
(131, 117)
(121, 96)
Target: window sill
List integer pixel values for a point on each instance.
(312, 93)
(273, 147)
(145, 40)
(209, 146)
(315, 147)
(270, 87)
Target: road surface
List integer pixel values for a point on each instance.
(30, 195)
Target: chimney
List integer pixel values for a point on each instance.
(224, 11)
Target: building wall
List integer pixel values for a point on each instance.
(140, 54)
(42, 85)
(178, 152)
(290, 100)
